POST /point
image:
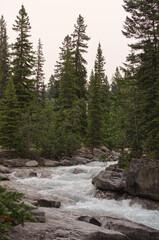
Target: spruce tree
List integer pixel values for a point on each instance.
(95, 112)
(9, 117)
(4, 57)
(142, 25)
(53, 88)
(105, 93)
(80, 40)
(23, 60)
(39, 82)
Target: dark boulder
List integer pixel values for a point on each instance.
(48, 203)
(110, 179)
(142, 179)
(17, 162)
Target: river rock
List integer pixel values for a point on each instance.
(79, 160)
(4, 177)
(110, 179)
(51, 163)
(32, 163)
(97, 152)
(63, 225)
(78, 170)
(33, 174)
(48, 203)
(105, 149)
(142, 179)
(90, 219)
(134, 231)
(5, 170)
(17, 162)
(84, 153)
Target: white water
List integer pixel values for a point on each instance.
(78, 188)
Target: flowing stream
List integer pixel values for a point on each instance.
(79, 190)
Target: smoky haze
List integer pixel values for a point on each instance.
(52, 20)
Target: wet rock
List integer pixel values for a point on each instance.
(142, 179)
(17, 162)
(41, 161)
(89, 219)
(32, 163)
(4, 170)
(110, 179)
(78, 170)
(4, 177)
(33, 174)
(48, 203)
(134, 231)
(105, 149)
(63, 225)
(51, 163)
(84, 153)
(38, 215)
(79, 160)
(97, 152)
(66, 162)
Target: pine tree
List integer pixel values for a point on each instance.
(4, 57)
(80, 47)
(9, 117)
(95, 112)
(105, 93)
(67, 79)
(23, 60)
(142, 24)
(39, 83)
(53, 88)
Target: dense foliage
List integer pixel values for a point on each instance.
(70, 112)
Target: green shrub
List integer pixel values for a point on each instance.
(12, 212)
(124, 160)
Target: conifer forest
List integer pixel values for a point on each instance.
(73, 109)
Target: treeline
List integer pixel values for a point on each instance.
(70, 111)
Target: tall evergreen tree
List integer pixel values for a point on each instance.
(105, 93)
(80, 40)
(4, 57)
(9, 117)
(95, 112)
(142, 24)
(23, 60)
(39, 83)
(53, 88)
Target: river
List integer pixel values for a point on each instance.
(80, 191)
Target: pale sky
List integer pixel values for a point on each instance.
(52, 20)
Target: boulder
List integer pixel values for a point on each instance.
(33, 174)
(79, 160)
(4, 170)
(78, 170)
(111, 179)
(4, 177)
(17, 162)
(142, 179)
(89, 219)
(97, 152)
(51, 163)
(32, 163)
(84, 153)
(134, 231)
(105, 149)
(48, 203)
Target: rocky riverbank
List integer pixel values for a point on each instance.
(140, 183)
(55, 223)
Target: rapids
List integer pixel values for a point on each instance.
(79, 189)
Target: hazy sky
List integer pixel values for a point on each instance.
(52, 20)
